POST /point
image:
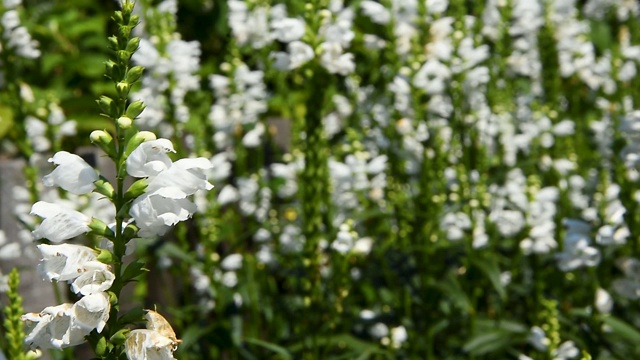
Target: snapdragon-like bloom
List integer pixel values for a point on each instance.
(150, 158)
(185, 175)
(157, 342)
(154, 213)
(72, 174)
(90, 312)
(95, 277)
(64, 262)
(66, 325)
(47, 329)
(60, 223)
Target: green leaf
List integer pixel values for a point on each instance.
(193, 334)
(488, 342)
(491, 270)
(623, 329)
(133, 270)
(134, 315)
(451, 288)
(173, 250)
(284, 354)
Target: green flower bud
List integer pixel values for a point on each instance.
(100, 228)
(104, 140)
(136, 189)
(113, 43)
(134, 20)
(138, 139)
(108, 106)
(124, 32)
(133, 44)
(101, 347)
(104, 187)
(117, 17)
(130, 232)
(105, 256)
(135, 109)
(112, 70)
(124, 122)
(134, 74)
(120, 337)
(122, 88)
(123, 55)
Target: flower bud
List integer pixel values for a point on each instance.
(104, 140)
(104, 187)
(108, 106)
(122, 88)
(100, 228)
(117, 17)
(133, 44)
(124, 31)
(119, 337)
(123, 55)
(130, 232)
(138, 139)
(136, 189)
(135, 109)
(134, 74)
(112, 70)
(105, 256)
(124, 122)
(113, 43)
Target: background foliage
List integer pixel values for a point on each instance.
(468, 190)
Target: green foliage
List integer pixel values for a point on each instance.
(13, 326)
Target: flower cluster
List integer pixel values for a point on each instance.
(168, 184)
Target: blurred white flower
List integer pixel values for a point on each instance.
(288, 29)
(376, 11)
(232, 262)
(603, 301)
(335, 60)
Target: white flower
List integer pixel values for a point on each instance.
(89, 313)
(154, 213)
(59, 223)
(148, 345)
(288, 29)
(232, 262)
(335, 61)
(95, 277)
(376, 11)
(185, 176)
(157, 342)
(150, 158)
(603, 301)
(252, 138)
(50, 328)
(72, 174)
(63, 262)
(227, 195)
(398, 336)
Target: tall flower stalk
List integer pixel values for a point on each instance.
(148, 208)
